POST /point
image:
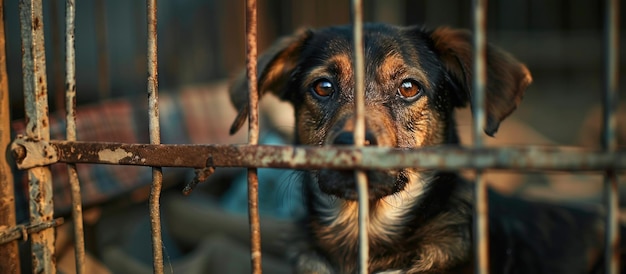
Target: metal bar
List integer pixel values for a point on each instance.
(70, 109)
(359, 131)
(481, 225)
(612, 252)
(311, 157)
(155, 137)
(36, 106)
(20, 232)
(253, 134)
(9, 259)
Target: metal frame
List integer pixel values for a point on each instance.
(8, 251)
(481, 208)
(35, 150)
(610, 133)
(36, 94)
(253, 133)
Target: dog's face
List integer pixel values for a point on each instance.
(413, 81)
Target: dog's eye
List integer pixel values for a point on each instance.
(409, 89)
(323, 88)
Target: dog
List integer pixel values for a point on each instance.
(420, 220)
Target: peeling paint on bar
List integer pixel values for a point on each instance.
(113, 156)
(155, 137)
(41, 207)
(253, 134)
(530, 158)
(70, 129)
(40, 153)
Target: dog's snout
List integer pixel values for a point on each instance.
(347, 138)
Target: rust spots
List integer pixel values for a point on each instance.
(18, 153)
(47, 153)
(70, 88)
(33, 130)
(36, 23)
(42, 92)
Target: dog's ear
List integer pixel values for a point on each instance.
(507, 78)
(275, 67)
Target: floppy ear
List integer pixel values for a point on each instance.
(274, 68)
(507, 78)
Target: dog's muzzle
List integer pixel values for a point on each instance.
(342, 183)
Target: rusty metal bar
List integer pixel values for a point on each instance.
(20, 232)
(70, 129)
(37, 127)
(9, 259)
(359, 131)
(526, 158)
(155, 137)
(481, 225)
(253, 134)
(612, 252)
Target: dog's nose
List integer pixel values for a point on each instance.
(347, 138)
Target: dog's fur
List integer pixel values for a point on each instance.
(420, 220)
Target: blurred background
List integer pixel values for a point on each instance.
(202, 41)
(201, 46)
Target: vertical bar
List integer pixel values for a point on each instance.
(37, 127)
(9, 260)
(70, 107)
(610, 133)
(155, 137)
(478, 101)
(253, 133)
(359, 131)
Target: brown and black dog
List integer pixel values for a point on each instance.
(420, 220)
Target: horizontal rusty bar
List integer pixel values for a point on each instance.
(20, 232)
(337, 157)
